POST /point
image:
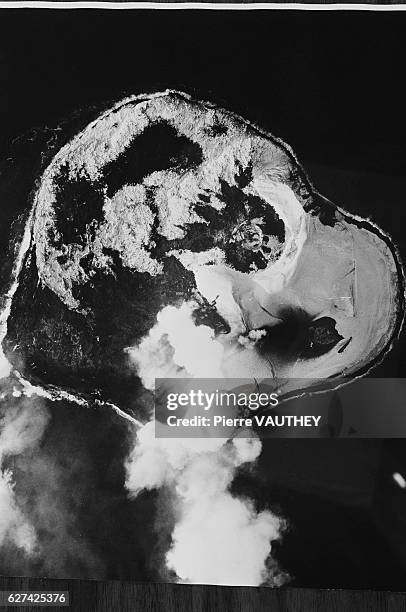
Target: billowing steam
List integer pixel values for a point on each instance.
(21, 428)
(14, 527)
(175, 346)
(5, 367)
(218, 538)
(41, 494)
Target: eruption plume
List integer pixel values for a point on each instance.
(21, 428)
(218, 538)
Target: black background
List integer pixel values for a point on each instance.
(329, 84)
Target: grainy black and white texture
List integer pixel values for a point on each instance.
(336, 99)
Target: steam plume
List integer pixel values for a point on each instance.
(21, 427)
(176, 346)
(218, 538)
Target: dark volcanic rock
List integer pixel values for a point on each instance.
(84, 352)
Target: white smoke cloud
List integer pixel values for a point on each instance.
(38, 512)
(218, 538)
(5, 367)
(175, 346)
(13, 525)
(21, 427)
(52, 494)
